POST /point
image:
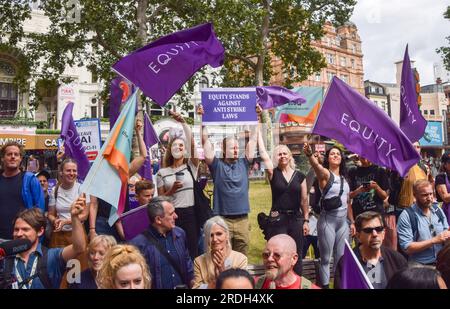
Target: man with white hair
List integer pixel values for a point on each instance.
(279, 258)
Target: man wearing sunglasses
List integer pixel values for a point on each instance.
(279, 258)
(379, 262)
(423, 242)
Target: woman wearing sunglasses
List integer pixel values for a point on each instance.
(379, 262)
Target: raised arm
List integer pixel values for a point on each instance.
(322, 173)
(137, 162)
(192, 150)
(93, 209)
(208, 148)
(262, 147)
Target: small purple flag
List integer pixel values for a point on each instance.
(120, 91)
(162, 67)
(135, 222)
(150, 139)
(412, 122)
(73, 147)
(273, 96)
(364, 128)
(353, 275)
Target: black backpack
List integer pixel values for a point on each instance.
(41, 271)
(316, 203)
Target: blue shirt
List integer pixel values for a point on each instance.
(55, 267)
(230, 187)
(406, 236)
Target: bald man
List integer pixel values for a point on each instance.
(279, 258)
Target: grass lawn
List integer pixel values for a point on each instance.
(260, 201)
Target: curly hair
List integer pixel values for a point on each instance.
(342, 166)
(120, 256)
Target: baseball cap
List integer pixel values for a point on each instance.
(43, 173)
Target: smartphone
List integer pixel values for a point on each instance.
(366, 183)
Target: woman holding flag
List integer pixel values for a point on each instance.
(332, 226)
(176, 179)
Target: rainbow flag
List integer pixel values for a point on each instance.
(108, 176)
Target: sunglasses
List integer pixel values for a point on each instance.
(432, 230)
(369, 230)
(276, 256)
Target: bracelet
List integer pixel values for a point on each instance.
(306, 220)
(92, 228)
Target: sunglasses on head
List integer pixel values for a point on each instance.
(369, 230)
(432, 230)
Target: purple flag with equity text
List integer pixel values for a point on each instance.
(364, 128)
(412, 122)
(150, 139)
(273, 96)
(73, 147)
(162, 67)
(352, 274)
(120, 91)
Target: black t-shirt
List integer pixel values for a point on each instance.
(11, 203)
(368, 200)
(284, 197)
(104, 208)
(440, 180)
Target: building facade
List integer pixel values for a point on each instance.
(376, 93)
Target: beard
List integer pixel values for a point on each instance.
(272, 273)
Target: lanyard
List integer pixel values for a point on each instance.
(26, 285)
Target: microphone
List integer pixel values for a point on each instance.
(9, 248)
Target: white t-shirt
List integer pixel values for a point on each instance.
(184, 196)
(64, 201)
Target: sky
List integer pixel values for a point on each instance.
(386, 26)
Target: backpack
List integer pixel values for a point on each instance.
(41, 270)
(317, 202)
(414, 221)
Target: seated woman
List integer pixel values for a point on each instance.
(124, 267)
(97, 249)
(218, 255)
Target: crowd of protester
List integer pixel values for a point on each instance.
(399, 226)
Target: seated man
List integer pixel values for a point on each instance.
(39, 267)
(279, 257)
(380, 263)
(422, 228)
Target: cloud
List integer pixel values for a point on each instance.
(386, 26)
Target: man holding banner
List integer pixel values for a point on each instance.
(231, 184)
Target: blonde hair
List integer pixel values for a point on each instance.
(117, 257)
(106, 241)
(207, 230)
(277, 150)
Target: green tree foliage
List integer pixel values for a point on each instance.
(445, 50)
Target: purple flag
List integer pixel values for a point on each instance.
(73, 146)
(150, 139)
(353, 275)
(120, 91)
(273, 96)
(364, 128)
(412, 122)
(134, 222)
(162, 67)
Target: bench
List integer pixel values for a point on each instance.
(310, 270)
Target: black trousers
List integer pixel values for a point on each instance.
(187, 221)
(291, 224)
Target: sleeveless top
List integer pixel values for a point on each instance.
(336, 188)
(286, 195)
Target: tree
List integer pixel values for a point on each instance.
(87, 33)
(254, 32)
(445, 50)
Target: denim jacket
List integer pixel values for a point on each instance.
(153, 257)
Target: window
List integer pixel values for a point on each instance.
(330, 76)
(443, 112)
(317, 78)
(8, 100)
(353, 63)
(431, 111)
(383, 105)
(425, 112)
(343, 61)
(204, 83)
(330, 58)
(344, 78)
(376, 103)
(93, 111)
(354, 48)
